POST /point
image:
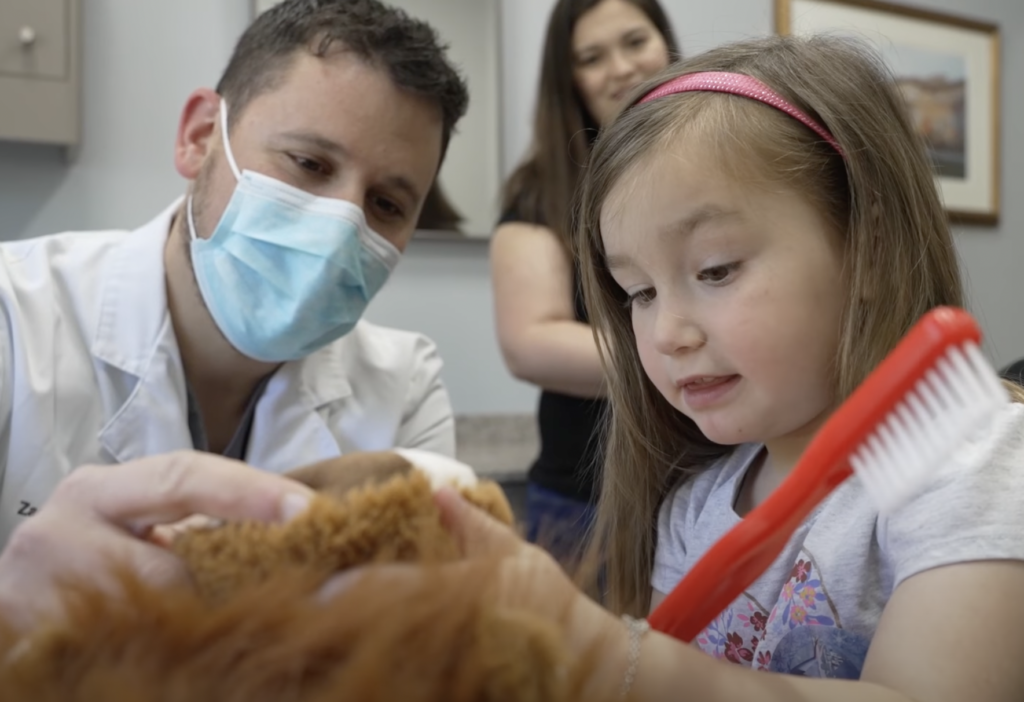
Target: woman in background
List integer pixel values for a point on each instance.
(595, 53)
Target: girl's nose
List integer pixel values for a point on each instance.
(675, 331)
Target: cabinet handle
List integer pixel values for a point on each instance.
(27, 36)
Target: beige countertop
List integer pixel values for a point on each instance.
(497, 446)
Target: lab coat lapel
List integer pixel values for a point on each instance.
(290, 428)
(144, 392)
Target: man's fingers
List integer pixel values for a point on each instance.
(167, 488)
(45, 557)
(104, 519)
(384, 576)
(152, 564)
(477, 533)
(165, 534)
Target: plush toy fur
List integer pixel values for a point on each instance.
(374, 507)
(254, 630)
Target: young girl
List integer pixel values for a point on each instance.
(756, 232)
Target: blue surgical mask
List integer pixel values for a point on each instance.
(286, 272)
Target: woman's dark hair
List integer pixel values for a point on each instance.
(439, 212)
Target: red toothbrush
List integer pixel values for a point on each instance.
(914, 410)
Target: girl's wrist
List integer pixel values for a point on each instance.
(599, 643)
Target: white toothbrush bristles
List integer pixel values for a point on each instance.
(960, 396)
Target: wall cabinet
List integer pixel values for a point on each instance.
(40, 77)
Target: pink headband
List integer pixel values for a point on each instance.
(743, 85)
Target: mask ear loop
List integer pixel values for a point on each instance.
(227, 141)
(190, 219)
(231, 162)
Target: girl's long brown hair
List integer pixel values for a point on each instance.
(542, 188)
(881, 199)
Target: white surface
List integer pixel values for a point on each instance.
(440, 470)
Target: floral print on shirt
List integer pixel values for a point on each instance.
(801, 634)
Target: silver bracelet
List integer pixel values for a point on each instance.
(637, 628)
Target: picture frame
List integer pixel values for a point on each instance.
(948, 67)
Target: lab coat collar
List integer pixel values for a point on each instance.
(133, 315)
(322, 375)
(290, 427)
(134, 335)
(146, 403)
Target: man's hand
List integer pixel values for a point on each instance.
(101, 515)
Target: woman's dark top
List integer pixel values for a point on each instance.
(1014, 372)
(569, 426)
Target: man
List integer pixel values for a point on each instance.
(230, 323)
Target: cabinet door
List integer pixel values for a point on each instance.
(34, 38)
(39, 71)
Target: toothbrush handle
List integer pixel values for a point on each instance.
(745, 552)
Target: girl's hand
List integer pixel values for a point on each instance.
(532, 580)
(516, 576)
(529, 577)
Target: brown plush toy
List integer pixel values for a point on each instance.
(255, 629)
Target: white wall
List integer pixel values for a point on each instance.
(471, 175)
(142, 59)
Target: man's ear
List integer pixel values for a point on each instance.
(196, 132)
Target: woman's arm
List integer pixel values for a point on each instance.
(540, 339)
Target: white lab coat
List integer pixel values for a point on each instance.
(90, 373)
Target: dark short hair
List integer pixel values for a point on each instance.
(386, 37)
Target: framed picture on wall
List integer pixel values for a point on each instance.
(948, 69)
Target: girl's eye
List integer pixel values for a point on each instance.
(718, 275)
(637, 42)
(640, 298)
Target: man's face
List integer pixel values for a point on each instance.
(335, 127)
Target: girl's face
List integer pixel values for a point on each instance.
(615, 47)
(736, 293)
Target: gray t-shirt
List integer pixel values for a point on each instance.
(815, 610)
